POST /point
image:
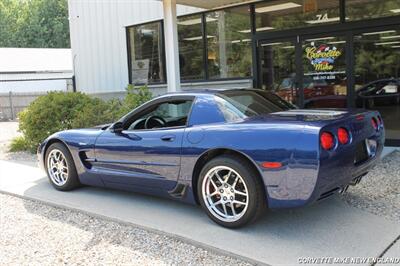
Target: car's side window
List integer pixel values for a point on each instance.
(173, 113)
(390, 88)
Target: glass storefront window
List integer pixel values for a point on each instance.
(147, 57)
(229, 43)
(377, 76)
(367, 9)
(191, 46)
(279, 15)
(324, 78)
(278, 71)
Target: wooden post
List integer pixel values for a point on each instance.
(11, 105)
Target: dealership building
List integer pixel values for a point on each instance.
(313, 53)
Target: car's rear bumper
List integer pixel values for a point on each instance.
(309, 183)
(346, 176)
(343, 169)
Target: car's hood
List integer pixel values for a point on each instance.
(102, 127)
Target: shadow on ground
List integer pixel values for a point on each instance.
(329, 228)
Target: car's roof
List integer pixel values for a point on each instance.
(383, 80)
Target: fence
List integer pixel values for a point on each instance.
(12, 103)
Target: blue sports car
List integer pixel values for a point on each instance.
(234, 152)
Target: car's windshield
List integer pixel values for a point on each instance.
(308, 82)
(379, 87)
(239, 104)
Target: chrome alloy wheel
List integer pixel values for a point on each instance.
(225, 193)
(57, 167)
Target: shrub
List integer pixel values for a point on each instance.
(19, 144)
(95, 112)
(58, 111)
(135, 96)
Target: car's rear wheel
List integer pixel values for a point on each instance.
(230, 191)
(60, 167)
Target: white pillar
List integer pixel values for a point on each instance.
(171, 46)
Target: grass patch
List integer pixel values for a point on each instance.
(19, 144)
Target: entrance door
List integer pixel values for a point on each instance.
(308, 71)
(323, 63)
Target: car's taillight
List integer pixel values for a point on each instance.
(374, 123)
(360, 117)
(380, 120)
(343, 136)
(327, 141)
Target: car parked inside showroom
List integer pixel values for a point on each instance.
(236, 153)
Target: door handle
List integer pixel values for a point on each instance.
(168, 138)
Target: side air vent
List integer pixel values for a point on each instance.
(87, 162)
(179, 191)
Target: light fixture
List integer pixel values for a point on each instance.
(318, 21)
(320, 39)
(190, 22)
(395, 10)
(271, 44)
(396, 46)
(258, 29)
(390, 37)
(238, 41)
(386, 43)
(278, 7)
(379, 32)
(146, 31)
(197, 38)
(265, 28)
(244, 31)
(194, 21)
(337, 42)
(288, 47)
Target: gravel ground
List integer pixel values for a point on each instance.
(48, 235)
(379, 191)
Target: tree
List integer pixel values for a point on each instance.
(34, 23)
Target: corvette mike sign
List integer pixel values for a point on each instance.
(322, 57)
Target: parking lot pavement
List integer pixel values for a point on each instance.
(331, 228)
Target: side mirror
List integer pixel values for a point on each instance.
(117, 127)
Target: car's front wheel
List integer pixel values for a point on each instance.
(230, 191)
(60, 167)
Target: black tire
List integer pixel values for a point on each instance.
(256, 196)
(72, 180)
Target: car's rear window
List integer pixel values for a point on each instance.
(239, 104)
